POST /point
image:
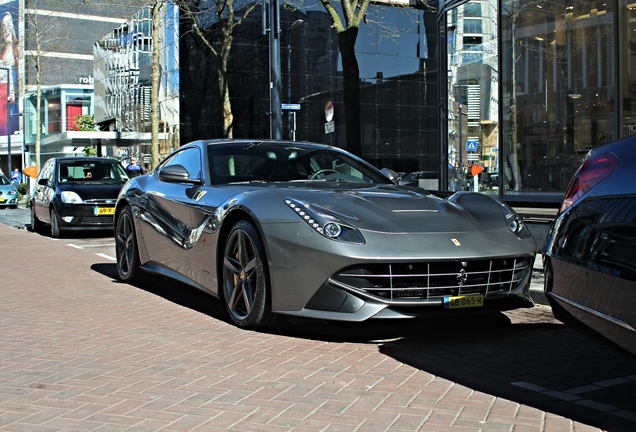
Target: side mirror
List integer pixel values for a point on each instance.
(392, 175)
(176, 174)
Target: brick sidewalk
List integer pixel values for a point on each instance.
(81, 351)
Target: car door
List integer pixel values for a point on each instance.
(43, 192)
(166, 221)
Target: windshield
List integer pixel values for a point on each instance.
(91, 171)
(231, 163)
(3, 180)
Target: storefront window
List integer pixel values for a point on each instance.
(559, 94)
(76, 106)
(472, 108)
(627, 67)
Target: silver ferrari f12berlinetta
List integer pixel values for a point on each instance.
(276, 228)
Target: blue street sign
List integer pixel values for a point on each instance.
(292, 107)
(471, 145)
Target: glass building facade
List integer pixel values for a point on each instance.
(122, 74)
(567, 78)
(514, 91)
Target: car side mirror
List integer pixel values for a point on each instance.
(392, 175)
(176, 174)
(43, 182)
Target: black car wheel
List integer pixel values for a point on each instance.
(36, 224)
(56, 232)
(246, 287)
(126, 250)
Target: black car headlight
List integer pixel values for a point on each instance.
(324, 223)
(70, 197)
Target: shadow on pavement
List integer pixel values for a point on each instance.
(173, 291)
(544, 365)
(535, 360)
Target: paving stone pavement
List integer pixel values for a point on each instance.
(80, 351)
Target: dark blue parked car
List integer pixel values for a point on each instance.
(590, 252)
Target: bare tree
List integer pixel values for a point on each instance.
(45, 36)
(347, 27)
(157, 13)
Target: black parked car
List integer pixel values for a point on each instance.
(76, 193)
(590, 252)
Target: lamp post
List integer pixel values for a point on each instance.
(292, 128)
(274, 70)
(8, 118)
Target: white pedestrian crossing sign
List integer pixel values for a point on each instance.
(471, 145)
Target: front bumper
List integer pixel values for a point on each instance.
(398, 276)
(6, 201)
(86, 216)
(347, 298)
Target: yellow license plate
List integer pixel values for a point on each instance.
(105, 211)
(2, 200)
(463, 301)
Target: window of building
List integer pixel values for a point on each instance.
(559, 90)
(472, 25)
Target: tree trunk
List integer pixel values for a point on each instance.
(154, 89)
(351, 89)
(224, 88)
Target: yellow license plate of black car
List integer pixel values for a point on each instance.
(467, 301)
(105, 211)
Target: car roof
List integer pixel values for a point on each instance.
(243, 141)
(85, 159)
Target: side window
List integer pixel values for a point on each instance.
(47, 171)
(190, 159)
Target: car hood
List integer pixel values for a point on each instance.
(90, 191)
(406, 210)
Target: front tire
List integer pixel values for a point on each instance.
(126, 249)
(246, 286)
(56, 232)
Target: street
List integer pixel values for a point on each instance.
(82, 351)
(100, 243)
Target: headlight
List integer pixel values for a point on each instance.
(69, 197)
(12, 192)
(324, 223)
(515, 223)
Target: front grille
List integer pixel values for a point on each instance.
(97, 220)
(434, 280)
(101, 201)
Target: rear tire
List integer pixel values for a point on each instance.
(126, 249)
(246, 286)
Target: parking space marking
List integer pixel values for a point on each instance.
(74, 246)
(571, 395)
(106, 256)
